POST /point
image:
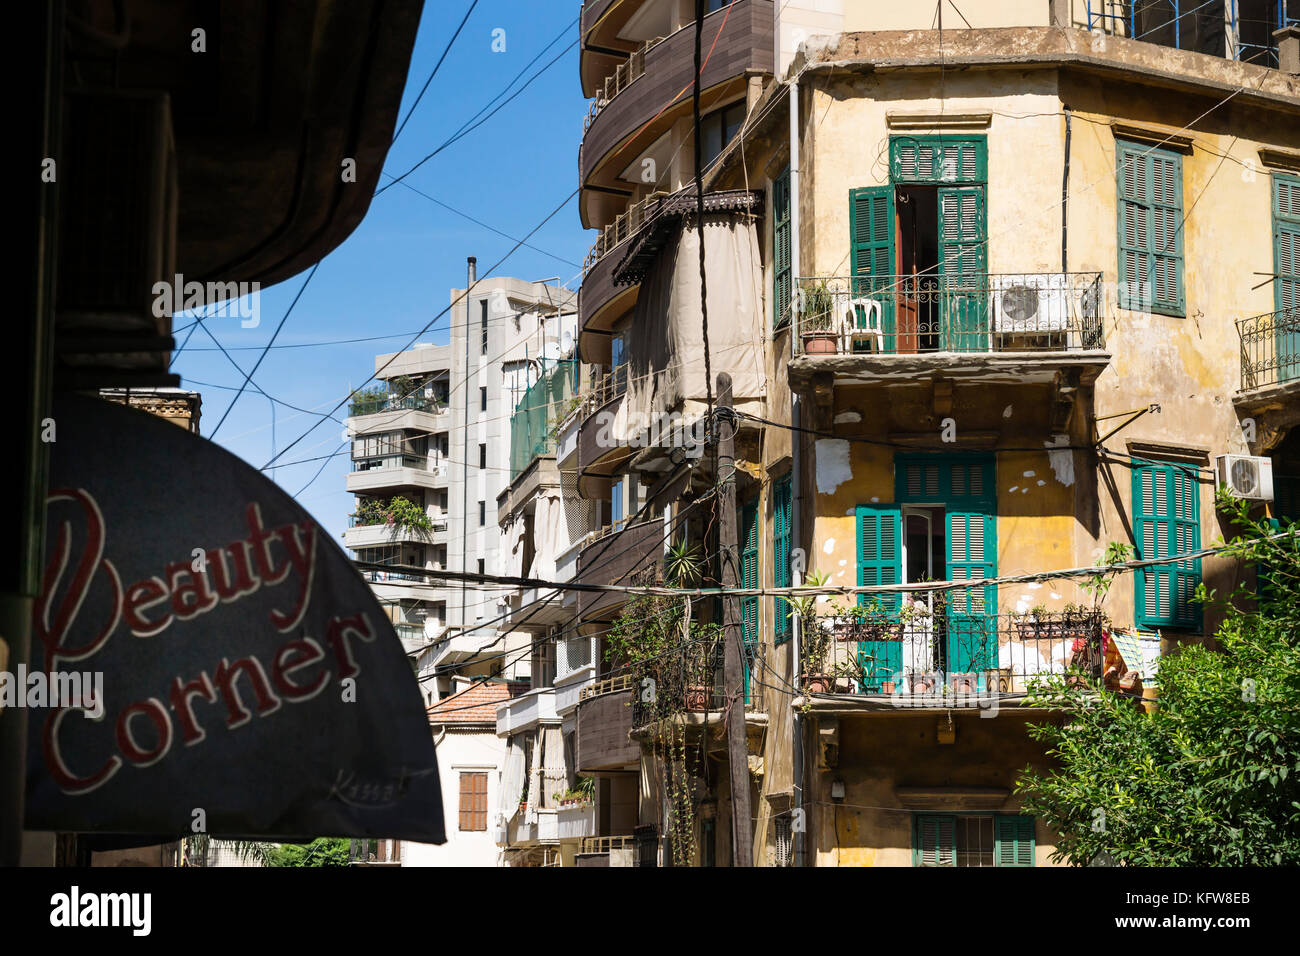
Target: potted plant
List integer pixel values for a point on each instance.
(815, 636)
(700, 660)
(817, 325)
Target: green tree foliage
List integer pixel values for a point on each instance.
(1209, 778)
(323, 851)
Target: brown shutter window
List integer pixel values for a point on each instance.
(473, 801)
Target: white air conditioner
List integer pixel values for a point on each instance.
(1246, 476)
(1030, 303)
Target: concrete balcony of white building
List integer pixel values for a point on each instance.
(395, 472)
(412, 412)
(575, 668)
(457, 644)
(377, 535)
(527, 712)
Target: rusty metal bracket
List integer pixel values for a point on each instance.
(1129, 418)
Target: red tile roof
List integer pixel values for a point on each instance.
(477, 704)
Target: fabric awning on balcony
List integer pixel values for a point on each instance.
(666, 342)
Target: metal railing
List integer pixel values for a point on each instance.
(1270, 348)
(910, 314)
(690, 679)
(952, 655)
(623, 226)
(624, 75)
(385, 462)
(1178, 24)
(604, 844)
(396, 403)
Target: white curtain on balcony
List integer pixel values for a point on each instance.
(512, 780)
(549, 533)
(514, 547)
(666, 342)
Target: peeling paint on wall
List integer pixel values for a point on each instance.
(833, 467)
(1006, 412)
(1062, 462)
(847, 418)
(829, 546)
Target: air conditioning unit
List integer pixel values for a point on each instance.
(1030, 303)
(1246, 476)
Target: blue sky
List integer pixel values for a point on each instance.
(394, 273)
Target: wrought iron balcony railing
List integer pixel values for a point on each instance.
(948, 656)
(909, 314)
(1270, 348)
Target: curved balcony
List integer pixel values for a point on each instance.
(599, 450)
(646, 106)
(613, 558)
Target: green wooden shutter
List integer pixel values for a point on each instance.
(963, 268)
(934, 840)
(1013, 841)
(782, 504)
(1286, 264)
(972, 613)
(749, 579)
(880, 562)
(938, 159)
(1150, 194)
(1166, 521)
(782, 266)
(871, 244)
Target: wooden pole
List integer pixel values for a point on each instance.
(742, 838)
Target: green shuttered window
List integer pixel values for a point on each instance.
(1166, 521)
(749, 580)
(1150, 184)
(782, 577)
(782, 263)
(938, 160)
(969, 840)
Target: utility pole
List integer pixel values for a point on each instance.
(733, 669)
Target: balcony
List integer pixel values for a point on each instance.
(526, 711)
(1270, 368)
(655, 90)
(395, 471)
(1015, 328)
(607, 851)
(602, 300)
(614, 560)
(604, 723)
(365, 533)
(899, 662)
(390, 413)
(598, 453)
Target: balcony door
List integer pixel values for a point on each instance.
(1286, 258)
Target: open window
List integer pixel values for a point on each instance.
(919, 248)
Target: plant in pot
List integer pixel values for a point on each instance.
(814, 636)
(817, 324)
(701, 658)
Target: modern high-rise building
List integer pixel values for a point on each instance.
(430, 454)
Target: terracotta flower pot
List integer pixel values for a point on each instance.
(820, 343)
(887, 686)
(697, 699)
(922, 683)
(819, 683)
(962, 683)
